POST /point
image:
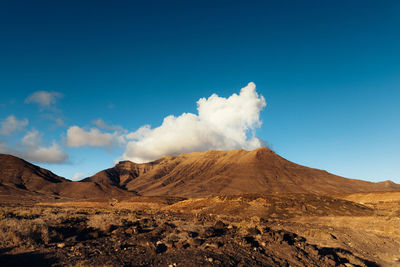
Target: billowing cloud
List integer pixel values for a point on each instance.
(44, 98)
(12, 124)
(31, 149)
(221, 124)
(79, 137)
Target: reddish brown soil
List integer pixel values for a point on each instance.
(59, 235)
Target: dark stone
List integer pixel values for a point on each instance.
(193, 234)
(253, 231)
(219, 225)
(161, 248)
(250, 240)
(198, 241)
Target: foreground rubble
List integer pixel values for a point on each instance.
(174, 235)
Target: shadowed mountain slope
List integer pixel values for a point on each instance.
(229, 172)
(19, 177)
(22, 174)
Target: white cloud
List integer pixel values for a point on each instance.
(79, 137)
(12, 124)
(51, 154)
(59, 122)
(221, 123)
(78, 176)
(102, 125)
(31, 149)
(57, 118)
(44, 98)
(140, 133)
(31, 138)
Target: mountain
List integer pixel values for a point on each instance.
(195, 174)
(21, 174)
(208, 173)
(21, 178)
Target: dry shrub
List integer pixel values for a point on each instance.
(103, 221)
(85, 211)
(245, 224)
(16, 232)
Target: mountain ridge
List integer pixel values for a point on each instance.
(21, 178)
(196, 174)
(213, 172)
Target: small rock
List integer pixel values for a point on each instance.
(174, 238)
(193, 234)
(61, 245)
(211, 245)
(250, 240)
(209, 232)
(219, 225)
(197, 241)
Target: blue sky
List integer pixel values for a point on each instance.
(328, 70)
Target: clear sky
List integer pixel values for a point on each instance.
(329, 72)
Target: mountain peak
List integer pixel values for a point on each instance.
(196, 174)
(213, 172)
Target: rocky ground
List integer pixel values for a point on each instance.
(249, 230)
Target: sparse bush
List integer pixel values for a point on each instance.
(23, 232)
(85, 211)
(103, 221)
(243, 225)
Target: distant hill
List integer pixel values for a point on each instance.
(208, 173)
(21, 178)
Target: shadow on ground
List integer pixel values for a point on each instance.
(26, 259)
